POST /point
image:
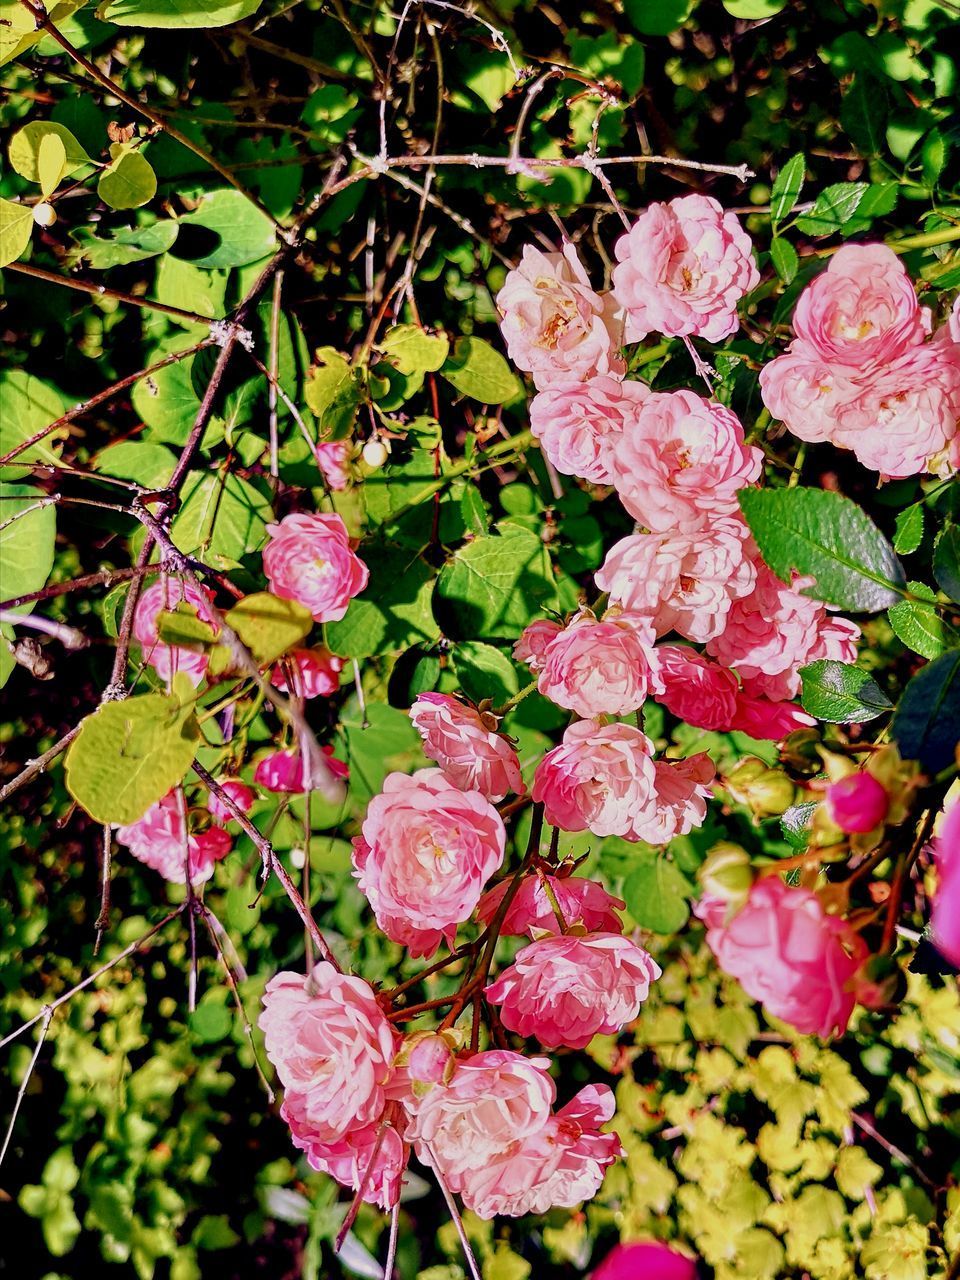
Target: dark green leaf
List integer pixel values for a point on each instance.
(787, 187)
(841, 694)
(784, 258)
(243, 233)
(484, 672)
(925, 724)
(495, 585)
(946, 562)
(834, 207)
(919, 625)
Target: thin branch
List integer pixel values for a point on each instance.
(69, 637)
(102, 290)
(47, 1015)
(33, 767)
(106, 578)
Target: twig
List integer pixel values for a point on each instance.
(455, 1215)
(102, 290)
(47, 1015)
(106, 578)
(272, 384)
(69, 637)
(103, 919)
(33, 767)
(391, 1261)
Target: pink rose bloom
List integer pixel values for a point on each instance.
(564, 990)
(289, 772)
(646, 1260)
(426, 852)
(788, 954)
(313, 673)
(683, 789)
(579, 423)
(683, 582)
(348, 1159)
(581, 901)
(681, 463)
(239, 793)
(600, 778)
(333, 459)
(945, 916)
(862, 312)
(331, 1046)
(600, 668)
(468, 750)
(531, 648)
(682, 268)
(163, 596)
(953, 321)
(857, 803)
(806, 392)
(160, 840)
(695, 689)
(555, 325)
(308, 559)
(761, 718)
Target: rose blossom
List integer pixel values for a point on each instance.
(555, 325)
(682, 791)
(682, 268)
(858, 802)
(472, 755)
(162, 596)
(314, 673)
(791, 956)
(649, 1259)
(332, 1047)
(579, 423)
(600, 668)
(581, 901)
(806, 392)
(952, 326)
(683, 582)
(333, 459)
(348, 1159)
(161, 841)
(531, 648)
(600, 778)
(760, 718)
(239, 793)
(945, 916)
(426, 852)
(681, 462)
(564, 990)
(696, 690)
(288, 771)
(308, 559)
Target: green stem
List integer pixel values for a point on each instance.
(517, 697)
(925, 240)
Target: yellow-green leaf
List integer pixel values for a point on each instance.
(269, 626)
(129, 182)
(26, 143)
(16, 223)
(51, 162)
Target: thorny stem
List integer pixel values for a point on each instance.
(103, 919)
(106, 578)
(47, 1016)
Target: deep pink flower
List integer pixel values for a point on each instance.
(565, 989)
(682, 268)
(761, 718)
(313, 673)
(160, 840)
(945, 917)
(531, 912)
(308, 559)
(858, 802)
(683, 789)
(578, 423)
(239, 793)
(645, 1260)
(163, 596)
(287, 771)
(531, 648)
(426, 852)
(600, 668)
(695, 689)
(465, 746)
(681, 462)
(555, 325)
(333, 459)
(348, 1159)
(791, 956)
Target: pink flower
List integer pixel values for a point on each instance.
(579, 423)
(683, 582)
(332, 1047)
(553, 322)
(945, 917)
(160, 840)
(288, 772)
(600, 668)
(683, 788)
(239, 793)
(600, 778)
(308, 559)
(807, 392)
(164, 596)
(648, 1259)
(862, 312)
(333, 459)
(761, 718)
(787, 953)
(953, 321)
(858, 802)
(309, 673)
(531, 648)
(348, 1159)
(681, 462)
(581, 901)
(682, 268)
(564, 990)
(695, 689)
(465, 745)
(426, 852)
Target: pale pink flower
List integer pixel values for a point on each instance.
(161, 841)
(683, 582)
(600, 668)
(649, 1259)
(530, 913)
(531, 648)
(683, 789)
(682, 268)
(309, 673)
(239, 793)
(288, 771)
(578, 424)
(695, 689)
(807, 393)
(348, 1159)
(566, 989)
(862, 312)
(466, 746)
(945, 916)
(857, 802)
(601, 778)
(164, 596)
(426, 852)
(333, 459)
(791, 956)
(331, 1046)
(308, 559)
(681, 463)
(555, 325)
(760, 718)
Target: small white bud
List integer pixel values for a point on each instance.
(44, 214)
(375, 453)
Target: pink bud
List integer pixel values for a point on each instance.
(650, 1259)
(857, 802)
(430, 1060)
(239, 793)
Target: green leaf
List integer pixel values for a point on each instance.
(841, 694)
(795, 823)
(946, 562)
(658, 17)
(166, 400)
(176, 13)
(925, 721)
(26, 544)
(220, 515)
(909, 530)
(151, 465)
(933, 156)
(128, 182)
(393, 613)
(834, 206)
(332, 393)
(16, 225)
(181, 284)
(26, 143)
(787, 187)
(269, 626)
(51, 163)
(754, 10)
(784, 258)
(244, 233)
(129, 754)
(27, 405)
(18, 30)
(656, 893)
(484, 672)
(918, 624)
(495, 585)
(411, 350)
(863, 113)
(475, 369)
(123, 247)
(182, 626)
(827, 536)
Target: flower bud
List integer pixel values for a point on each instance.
(857, 803)
(879, 982)
(725, 873)
(375, 453)
(44, 214)
(764, 790)
(429, 1058)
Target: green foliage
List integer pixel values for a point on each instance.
(841, 694)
